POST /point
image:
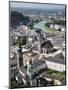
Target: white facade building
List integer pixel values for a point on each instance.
(55, 66)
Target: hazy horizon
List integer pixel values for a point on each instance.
(36, 5)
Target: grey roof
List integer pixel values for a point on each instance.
(35, 48)
(13, 72)
(56, 60)
(20, 76)
(59, 56)
(35, 56)
(38, 63)
(13, 62)
(23, 70)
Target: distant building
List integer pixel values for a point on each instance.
(63, 29)
(51, 26)
(56, 26)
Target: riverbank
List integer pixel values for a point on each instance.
(42, 25)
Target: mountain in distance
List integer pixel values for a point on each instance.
(16, 18)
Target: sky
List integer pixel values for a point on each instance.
(35, 5)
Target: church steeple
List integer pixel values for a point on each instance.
(20, 53)
(20, 56)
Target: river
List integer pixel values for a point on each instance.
(40, 25)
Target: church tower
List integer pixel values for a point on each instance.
(20, 56)
(29, 71)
